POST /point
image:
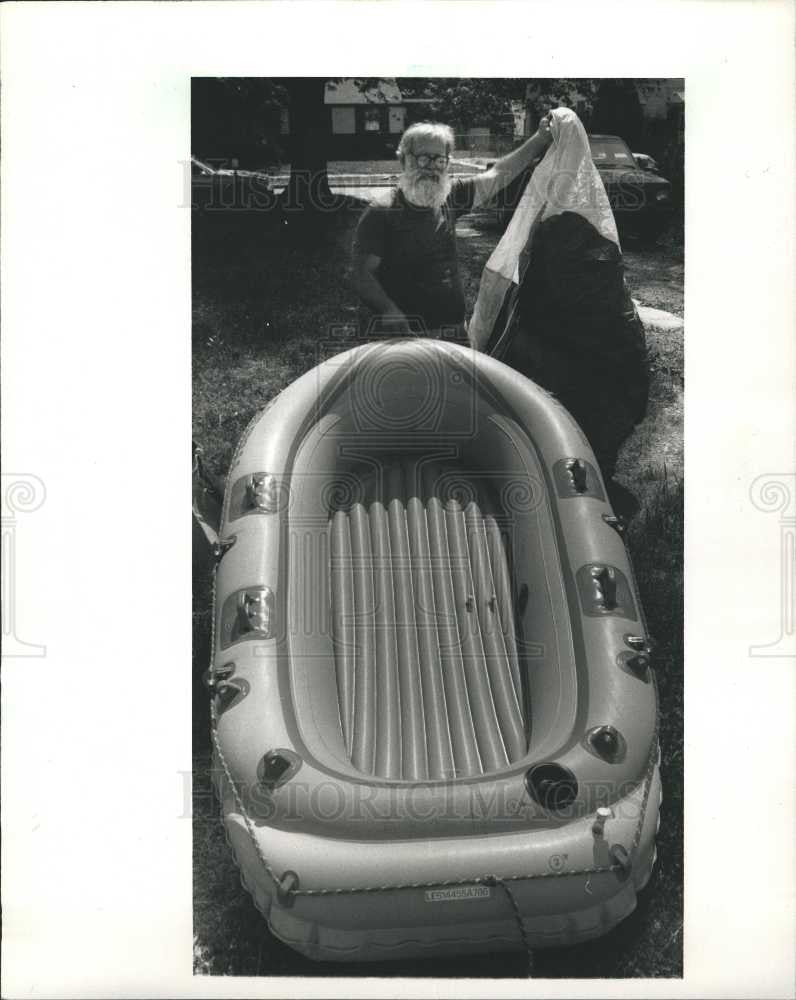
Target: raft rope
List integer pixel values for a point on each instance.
(652, 761)
(288, 884)
(483, 879)
(477, 880)
(220, 753)
(520, 923)
(203, 475)
(444, 883)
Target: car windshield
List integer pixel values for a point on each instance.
(611, 153)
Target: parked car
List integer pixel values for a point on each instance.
(640, 199)
(646, 162)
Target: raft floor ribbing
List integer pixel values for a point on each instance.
(428, 676)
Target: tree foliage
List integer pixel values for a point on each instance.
(236, 118)
(617, 109)
(467, 103)
(546, 93)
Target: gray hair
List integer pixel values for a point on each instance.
(424, 130)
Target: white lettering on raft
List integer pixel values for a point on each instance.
(458, 892)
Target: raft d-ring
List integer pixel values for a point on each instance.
(287, 885)
(216, 675)
(617, 523)
(640, 643)
(621, 857)
(222, 546)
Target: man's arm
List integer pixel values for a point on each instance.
(370, 241)
(511, 165)
(370, 290)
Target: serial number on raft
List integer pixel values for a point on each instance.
(460, 892)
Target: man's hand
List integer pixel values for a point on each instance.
(388, 319)
(545, 130)
(512, 164)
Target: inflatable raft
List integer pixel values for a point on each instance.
(434, 715)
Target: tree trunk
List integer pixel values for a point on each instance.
(617, 111)
(308, 189)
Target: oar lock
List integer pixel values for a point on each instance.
(577, 474)
(255, 610)
(575, 477)
(604, 586)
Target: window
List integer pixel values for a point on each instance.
(343, 121)
(397, 119)
(610, 151)
(372, 119)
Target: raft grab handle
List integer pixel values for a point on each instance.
(262, 492)
(604, 590)
(575, 477)
(257, 493)
(248, 613)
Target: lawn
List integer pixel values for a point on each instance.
(267, 305)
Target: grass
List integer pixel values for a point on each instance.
(267, 306)
(657, 280)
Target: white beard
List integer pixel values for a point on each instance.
(425, 192)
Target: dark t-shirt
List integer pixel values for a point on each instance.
(419, 269)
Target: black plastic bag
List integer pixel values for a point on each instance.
(577, 333)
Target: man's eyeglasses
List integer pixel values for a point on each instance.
(425, 160)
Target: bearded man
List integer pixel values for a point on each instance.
(405, 266)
